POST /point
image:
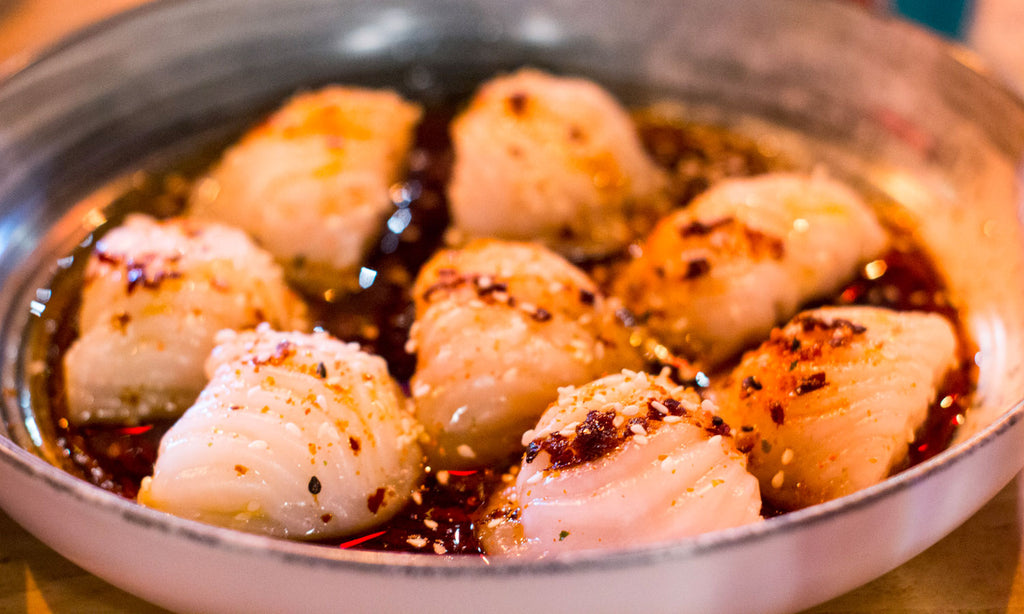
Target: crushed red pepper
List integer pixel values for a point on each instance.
(386, 309)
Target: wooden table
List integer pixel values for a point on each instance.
(975, 569)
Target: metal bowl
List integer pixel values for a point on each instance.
(878, 102)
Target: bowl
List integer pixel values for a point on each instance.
(877, 101)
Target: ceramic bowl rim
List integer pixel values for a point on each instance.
(297, 553)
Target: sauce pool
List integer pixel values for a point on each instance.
(441, 517)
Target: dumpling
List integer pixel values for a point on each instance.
(154, 295)
(628, 459)
(837, 396)
(551, 159)
(297, 436)
(717, 276)
(499, 327)
(310, 183)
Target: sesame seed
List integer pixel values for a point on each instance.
(618, 421)
(658, 405)
(717, 439)
(410, 346)
(465, 451)
(641, 439)
(787, 456)
(709, 406)
(527, 437)
(416, 541)
(417, 496)
(442, 478)
(439, 548)
(630, 410)
(327, 431)
(430, 524)
(672, 419)
(493, 523)
(637, 429)
(777, 479)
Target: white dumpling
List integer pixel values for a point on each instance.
(499, 327)
(628, 459)
(837, 396)
(297, 436)
(717, 276)
(311, 182)
(154, 295)
(551, 159)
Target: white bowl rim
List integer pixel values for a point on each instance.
(367, 561)
(473, 566)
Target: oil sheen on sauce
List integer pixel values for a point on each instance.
(441, 517)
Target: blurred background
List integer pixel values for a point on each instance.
(992, 28)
